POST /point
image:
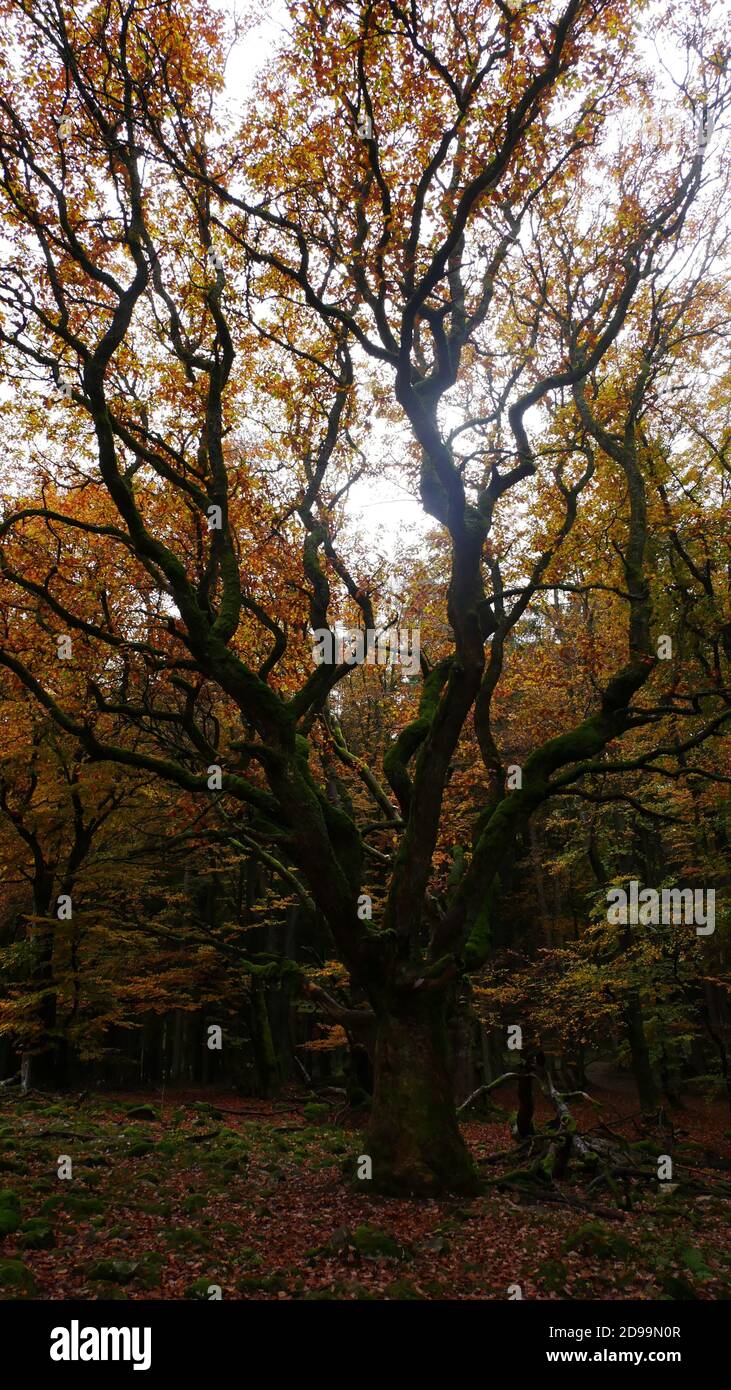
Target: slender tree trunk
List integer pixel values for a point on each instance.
(42, 1067)
(265, 1057)
(176, 1069)
(670, 1080)
(414, 1140)
(488, 1073)
(279, 998)
(646, 1088)
(526, 1103)
(463, 1046)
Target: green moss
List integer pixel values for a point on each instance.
(113, 1271)
(401, 1289)
(9, 1221)
(202, 1108)
(338, 1145)
(164, 1209)
(78, 1205)
(199, 1290)
(695, 1261)
(140, 1148)
(186, 1238)
(232, 1137)
(398, 757)
(235, 1163)
(477, 945)
(9, 1211)
(196, 1202)
(16, 1280)
(553, 1274)
(315, 1111)
(251, 1259)
(265, 1283)
(149, 1271)
(677, 1288)
(376, 1244)
(36, 1234)
(51, 1205)
(199, 1138)
(595, 1240)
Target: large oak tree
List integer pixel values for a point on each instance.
(473, 221)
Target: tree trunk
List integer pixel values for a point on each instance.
(38, 1063)
(526, 1103)
(45, 1066)
(463, 1048)
(414, 1140)
(670, 1080)
(265, 1057)
(641, 1065)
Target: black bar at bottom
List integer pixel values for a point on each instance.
(366, 1338)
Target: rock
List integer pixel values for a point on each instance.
(17, 1278)
(376, 1244)
(9, 1221)
(339, 1240)
(597, 1242)
(113, 1271)
(9, 1211)
(187, 1238)
(36, 1234)
(436, 1244)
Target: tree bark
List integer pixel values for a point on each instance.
(526, 1103)
(463, 1046)
(414, 1140)
(265, 1057)
(641, 1066)
(45, 1065)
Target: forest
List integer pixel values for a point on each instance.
(365, 650)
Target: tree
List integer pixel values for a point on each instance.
(447, 216)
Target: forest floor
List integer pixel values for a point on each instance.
(208, 1189)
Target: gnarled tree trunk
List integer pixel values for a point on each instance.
(414, 1140)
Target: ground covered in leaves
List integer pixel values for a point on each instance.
(169, 1199)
